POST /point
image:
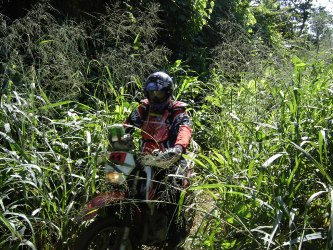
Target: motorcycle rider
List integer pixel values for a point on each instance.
(159, 130)
(164, 123)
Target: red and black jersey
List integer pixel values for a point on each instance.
(161, 130)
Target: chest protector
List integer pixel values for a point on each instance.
(156, 127)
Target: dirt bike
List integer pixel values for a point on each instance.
(141, 205)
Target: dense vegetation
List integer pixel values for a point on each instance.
(258, 79)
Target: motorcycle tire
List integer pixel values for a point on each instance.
(103, 234)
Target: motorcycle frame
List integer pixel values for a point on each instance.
(105, 201)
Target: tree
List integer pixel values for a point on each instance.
(321, 26)
(300, 11)
(272, 22)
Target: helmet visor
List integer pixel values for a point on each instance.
(157, 96)
(153, 86)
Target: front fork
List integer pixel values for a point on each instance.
(127, 229)
(149, 194)
(124, 240)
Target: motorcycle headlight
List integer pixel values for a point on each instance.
(115, 178)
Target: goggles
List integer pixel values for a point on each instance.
(156, 96)
(155, 92)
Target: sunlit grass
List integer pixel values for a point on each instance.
(265, 179)
(269, 169)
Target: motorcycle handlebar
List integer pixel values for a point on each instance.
(158, 159)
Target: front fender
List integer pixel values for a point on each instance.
(101, 200)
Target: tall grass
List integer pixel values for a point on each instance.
(50, 142)
(264, 175)
(48, 167)
(71, 59)
(269, 165)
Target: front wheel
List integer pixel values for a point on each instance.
(103, 234)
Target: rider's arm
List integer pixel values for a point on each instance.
(185, 132)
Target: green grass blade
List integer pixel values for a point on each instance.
(313, 160)
(330, 229)
(10, 227)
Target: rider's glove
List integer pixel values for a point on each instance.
(124, 143)
(173, 153)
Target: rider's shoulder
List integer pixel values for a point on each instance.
(179, 104)
(144, 102)
(143, 106)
